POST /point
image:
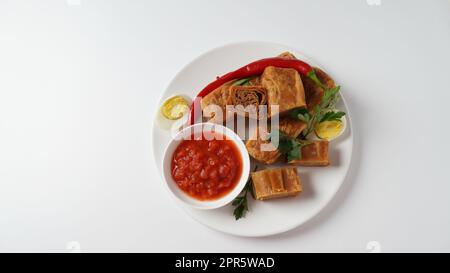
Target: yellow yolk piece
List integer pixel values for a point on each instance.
(174, 107)
(329, 129)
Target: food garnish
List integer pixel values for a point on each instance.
(290, 126)
(175, 107)
(332, 116)
(254, 69)
(241, 82)
(240, 202)
(291, 147)
(329, 129)
(325, 111)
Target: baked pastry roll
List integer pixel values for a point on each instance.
(314, 154)
(276, 183)
(255, 148)
(287, 55)
(218, 97)
(291, 127)
(313, 92)
(247, 100)
(255, 81)
(284, 88)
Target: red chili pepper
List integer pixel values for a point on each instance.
(254, 69)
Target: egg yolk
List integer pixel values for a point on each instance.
(329, 129)
(175, 107)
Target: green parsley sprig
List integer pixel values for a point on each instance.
(324, 111)
(241, 82)
(240, 202)
(290, 147)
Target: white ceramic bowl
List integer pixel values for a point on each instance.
(197, 129)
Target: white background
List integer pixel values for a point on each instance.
(79, 86)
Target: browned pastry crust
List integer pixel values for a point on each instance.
(287, 55)
(255, 81)
(254, 148)
(247, 100)
(313, 93)
(315, 154)
(276, 183)
(292, 127)
(284, 88)
(218, 97)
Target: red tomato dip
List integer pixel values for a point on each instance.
(207, 169)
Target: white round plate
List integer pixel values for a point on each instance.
(271, 217)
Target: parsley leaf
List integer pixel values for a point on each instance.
(243, 81)
(288, 146)
(241, 207)
(240, 203)
(301, 114)
(330, 95)
(295, 153)
(324, 111)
